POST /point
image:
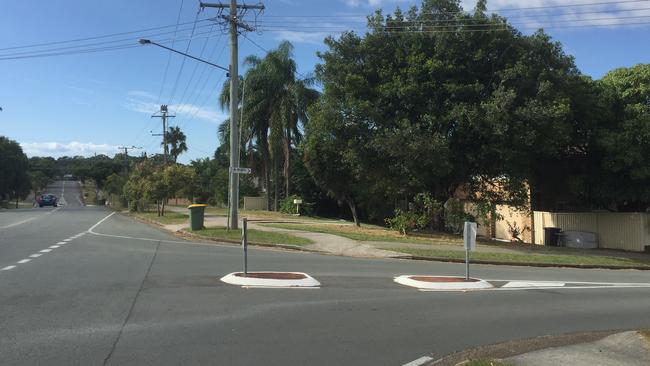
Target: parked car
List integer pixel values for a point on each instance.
(47, 200)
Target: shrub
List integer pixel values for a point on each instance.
(405, 221)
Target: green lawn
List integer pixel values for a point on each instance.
(254, 236)
(169, 218)
(556, 259)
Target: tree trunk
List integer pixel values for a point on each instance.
(267, 185)
(287, 161)
(16, 202)
(162, 212)
(353, 209)
(276, 183)
(158, 207)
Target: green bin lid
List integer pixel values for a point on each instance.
(197, 205)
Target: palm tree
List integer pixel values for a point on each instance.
(274, 108)
(176, 139)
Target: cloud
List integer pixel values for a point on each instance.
(301, 37)
(143, 102)
(141, 94)
(58, 149)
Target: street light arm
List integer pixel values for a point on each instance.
(147, 41)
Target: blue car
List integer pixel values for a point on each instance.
(47, 200)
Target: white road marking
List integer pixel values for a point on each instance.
(66, 240)
(61, 243)
(8, 268)
(99, 222)
(18, 223)
(24, 261)
(54, 246)
(36, 255)
(420, 361)
(516, 284)
(27, 220)
(45, 251)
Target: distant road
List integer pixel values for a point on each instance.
(131, 294)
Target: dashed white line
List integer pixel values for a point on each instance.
(66, 240)
(8, 268)
(24, 261)
(61, 243)
(36, 255)
(54, 246)
(420, 361)
(45, 250)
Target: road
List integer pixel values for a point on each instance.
(109, 298)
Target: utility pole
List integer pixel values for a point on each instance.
(233, 19)
(126, 156)
(163, 115)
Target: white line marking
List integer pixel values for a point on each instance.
(36, 255)
(99, 222)
(45, 251)
(420, 361)
(54, 246)
(66, 240)
(27, 220)
(515, 284)
(24, 261)
(61, 243)
(8, 268)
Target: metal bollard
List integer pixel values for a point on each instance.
(244, 243)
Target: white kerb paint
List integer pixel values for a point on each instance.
(420, 361)
(443, 286)
(518, 284)
(307, 281)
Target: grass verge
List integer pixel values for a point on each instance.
(548, 259)
(485, 362)
(89, 195)
(254, 236)
(169, 218)
(374, 233)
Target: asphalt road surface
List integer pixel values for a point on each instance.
(114, 299)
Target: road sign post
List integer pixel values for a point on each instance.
(469, 238)
(297, 202)
(244, 243)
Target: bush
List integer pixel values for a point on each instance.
(287, 206)
(406, 221)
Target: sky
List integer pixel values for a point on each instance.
(65, 102)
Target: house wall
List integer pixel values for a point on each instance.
(626, 231)
(500, 229)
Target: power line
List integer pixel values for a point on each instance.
(96, 37)
(489, 10)
(169, 57)
(180, 70)
(55, 52)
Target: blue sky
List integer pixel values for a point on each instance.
(93, 102)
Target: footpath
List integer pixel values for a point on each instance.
(630, 348)
(327, 243)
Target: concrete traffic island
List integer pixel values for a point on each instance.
(443, 283)
(271, 279)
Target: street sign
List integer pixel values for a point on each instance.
(241, 170)
(469, 235)
(297, 201)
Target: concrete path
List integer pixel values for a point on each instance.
(327, 243)
(626, 348)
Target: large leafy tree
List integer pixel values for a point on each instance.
(427, 101)
(625, 139)
(14, 175)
